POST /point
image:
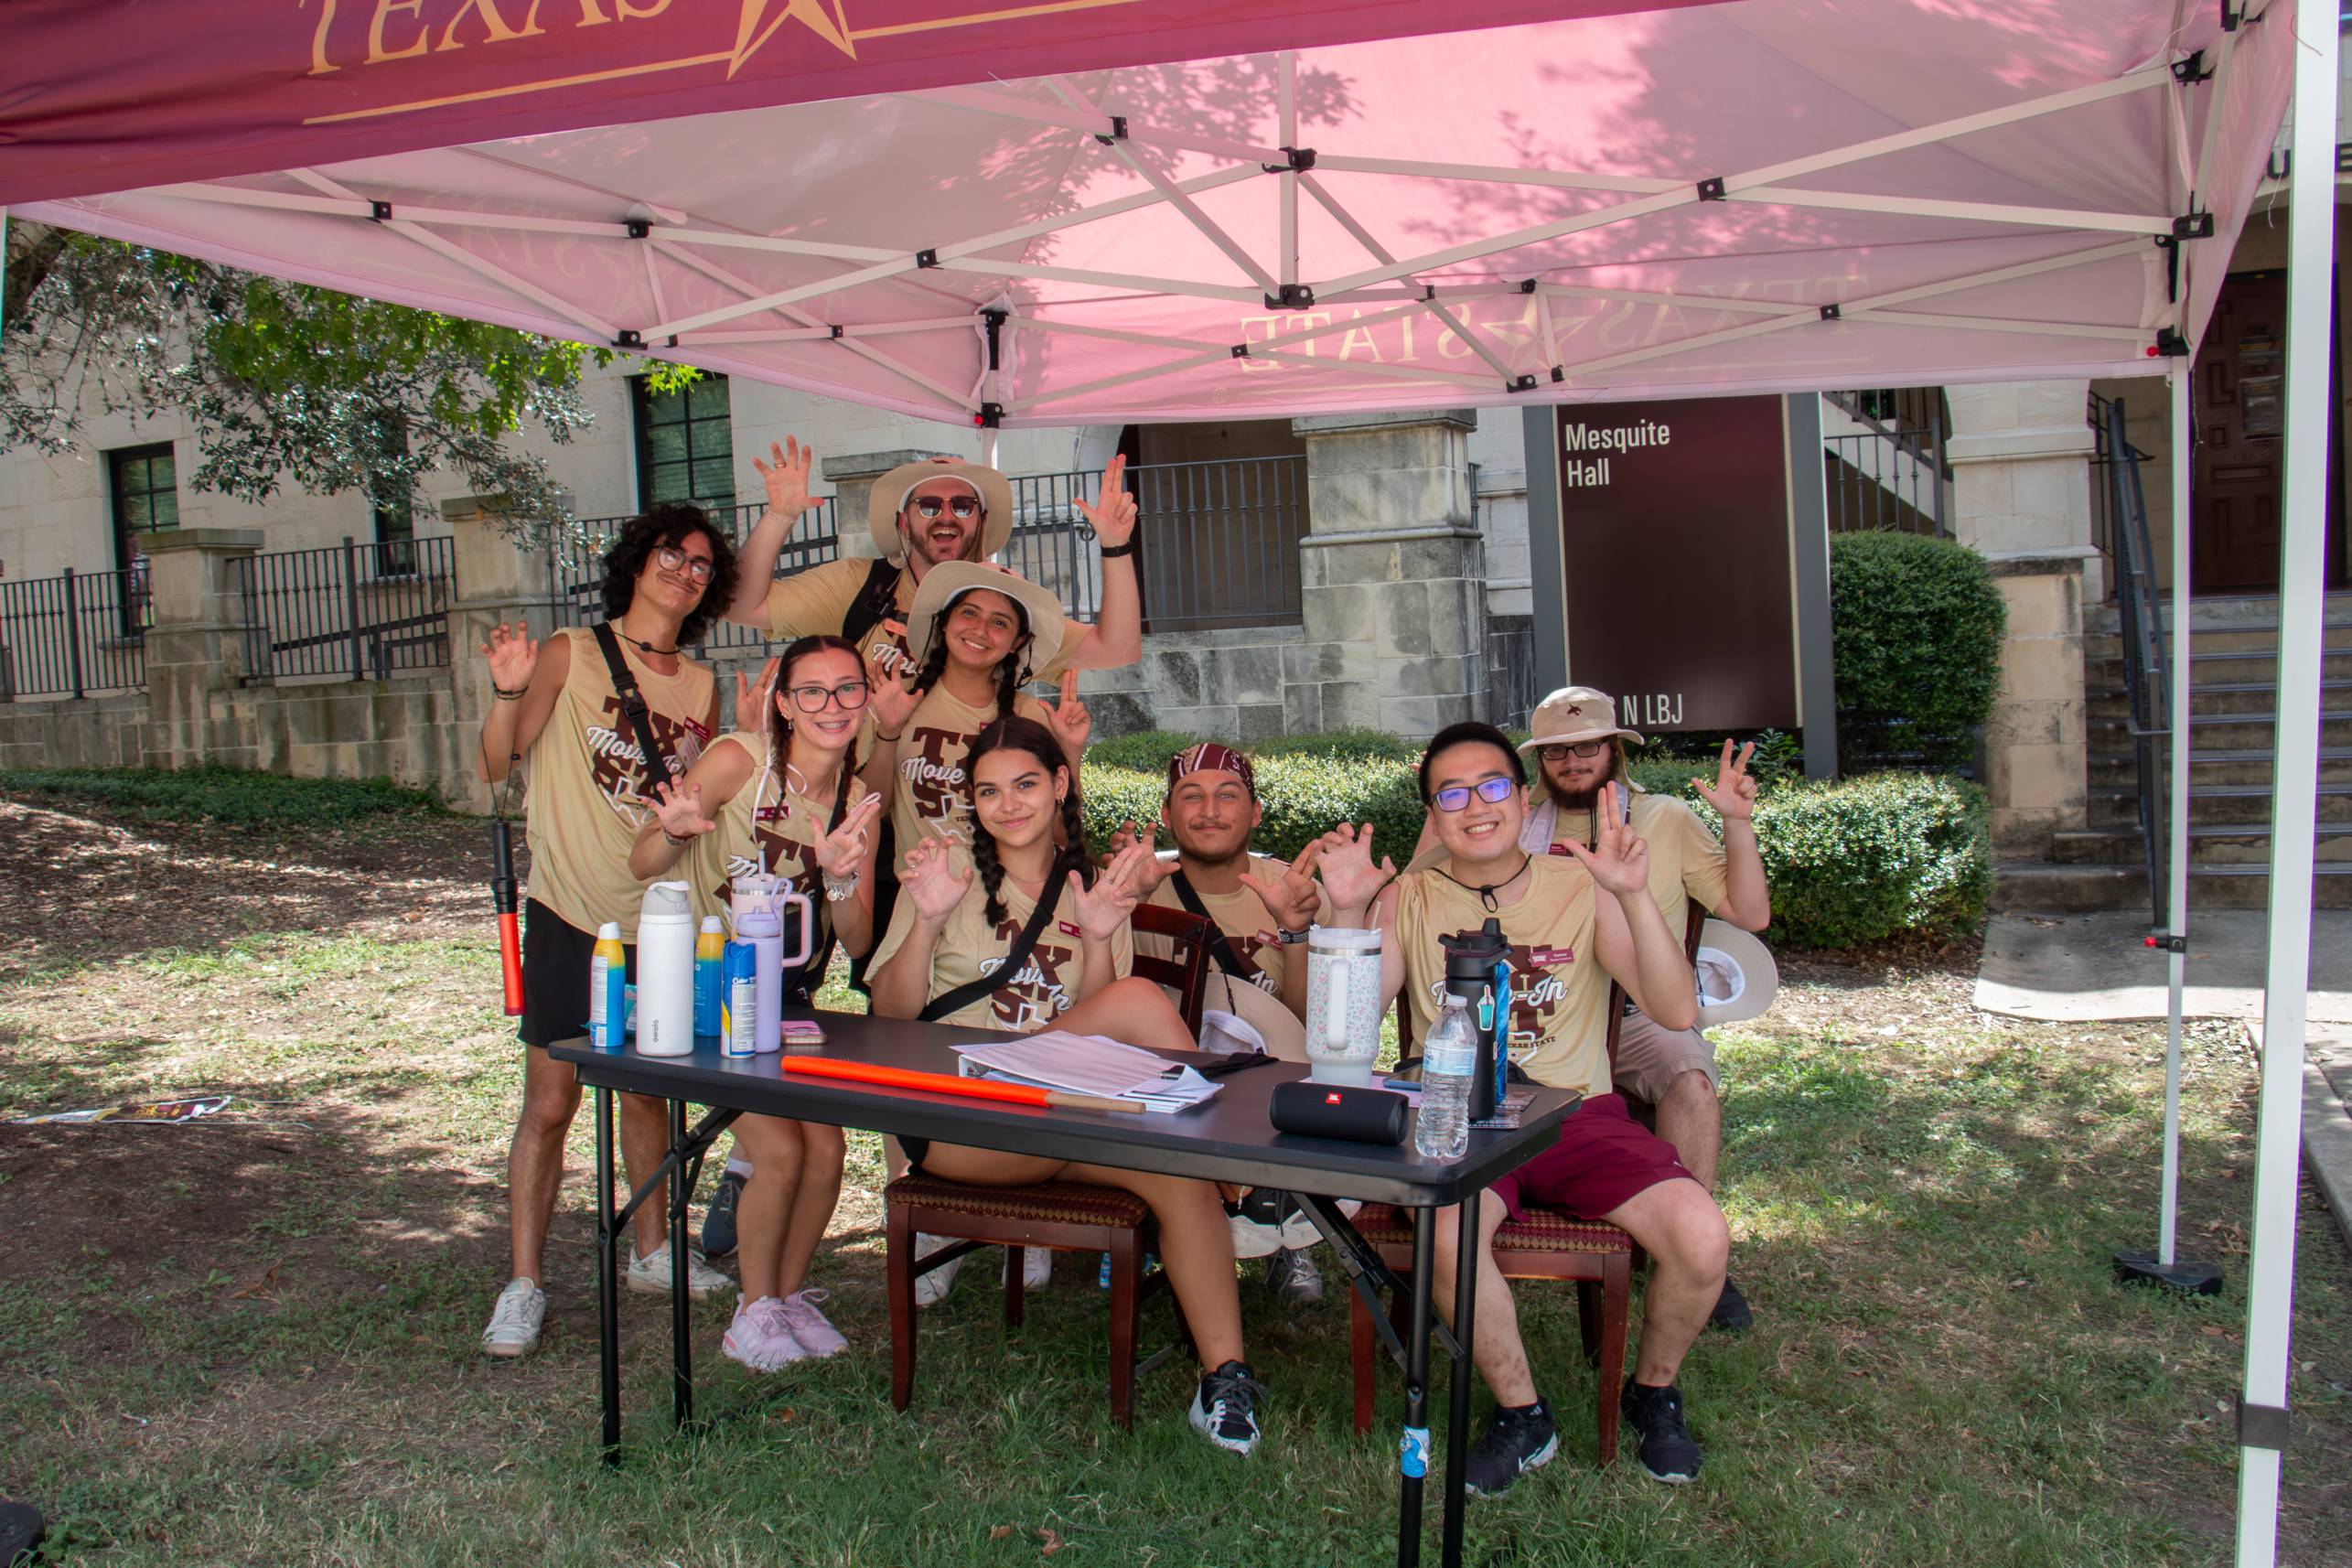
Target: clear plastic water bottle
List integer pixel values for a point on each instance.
(1440, 1130)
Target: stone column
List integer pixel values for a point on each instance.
(496, 581)
(196, 649)
(1392, 577)
(2020, 459)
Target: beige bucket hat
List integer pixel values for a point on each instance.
(948, 581)
(1738, 979)
(1573, 715)
(891, 490)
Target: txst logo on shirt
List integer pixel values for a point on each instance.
(794, 862)
(1035, 994)
(617, 766)
(1536, 992)
(935, 784)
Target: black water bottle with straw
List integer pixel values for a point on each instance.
(1475, 965)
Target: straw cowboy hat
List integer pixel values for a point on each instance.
(950, 580)
(1737, 978)
(891, 490)
(1574, 715)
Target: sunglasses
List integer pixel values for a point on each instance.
(963, 509)
(1586, 750)
(850, 696)
(1493, 791)
(672, 559)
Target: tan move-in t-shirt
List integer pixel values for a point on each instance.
(927, 793)
(1043, 987)
(1686, 860)
(767, 828)
(1241, 916)
(816, 603)
(1560, 992)
(587, 793)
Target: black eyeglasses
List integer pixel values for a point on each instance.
(1493, 791)
(962, 507)
(1586, 750)
(672, 559)
(850, 694)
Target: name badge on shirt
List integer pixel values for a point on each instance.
(1561, 850)
(1067, 928)
(771, 813)
(1543, 958)
(1267, 940)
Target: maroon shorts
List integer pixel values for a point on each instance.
(1604, 1157)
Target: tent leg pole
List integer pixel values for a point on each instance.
(988, 448)
(2311, 223)
(2177, 895)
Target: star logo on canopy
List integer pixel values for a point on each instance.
(762, 18)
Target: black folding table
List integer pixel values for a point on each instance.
(1228, 1139)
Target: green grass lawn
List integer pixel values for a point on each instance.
(257, 1344)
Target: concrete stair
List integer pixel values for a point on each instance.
(2233, 699)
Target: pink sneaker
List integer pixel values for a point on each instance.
(760, 1337)
(816, 1336)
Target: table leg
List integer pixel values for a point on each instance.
(607, 1282)
(1415, 1449)
(681, 1352)
(1464, 1372)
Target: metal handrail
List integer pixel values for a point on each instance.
(2147, 675)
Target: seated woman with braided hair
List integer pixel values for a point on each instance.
(957, 927)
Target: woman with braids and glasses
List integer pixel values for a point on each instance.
(782, 800)
(956, 926)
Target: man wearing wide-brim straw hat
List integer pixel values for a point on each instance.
(924, 514)
(1578, 745)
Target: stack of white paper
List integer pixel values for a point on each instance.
(1089, 1064)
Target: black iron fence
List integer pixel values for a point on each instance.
(1890, 473)
(354, 611)
(76, 633)
(576, 567)
(2147, 673)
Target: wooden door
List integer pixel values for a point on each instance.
(2239, 409)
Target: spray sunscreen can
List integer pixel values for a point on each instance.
(710, 980)
(608, 989)
(739, 1007)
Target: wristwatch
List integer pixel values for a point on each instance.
(1289, 938)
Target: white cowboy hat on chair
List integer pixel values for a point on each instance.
(1738, 979)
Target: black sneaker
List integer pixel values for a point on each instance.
(1730, 1313)
(1665, 1446)
(1515, 1441)
(718, 1220)
(1292, 1276)
(1224, 1408)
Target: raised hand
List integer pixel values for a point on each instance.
(890, 701)
(1734, 796)
(932, 880)
(752, 697)
(1350, 876)
(1113, 514)
(678, 807)
(1068, 719)
(842, 850)
(787, 473)
(1618, 861)
(1153, 869)
(1103, 908)
(512, 656)
(1291, 898)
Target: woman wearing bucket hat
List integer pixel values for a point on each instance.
(1578, 746)
(932, 513)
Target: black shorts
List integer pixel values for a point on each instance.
(556, 956)
(915, 1149)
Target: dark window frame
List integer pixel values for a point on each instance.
(128, 559)
(647, 410)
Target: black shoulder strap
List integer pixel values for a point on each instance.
(972, 991)
(876, 601)
(1219, 948)
(632, 707)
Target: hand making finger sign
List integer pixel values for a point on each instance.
(753, 695)
(842, 852)
(1155, 870)
(1068, 719)
(1618, 861)
(1103, 908)
(512, 655)
(1112, 515)
(1734, 796)
(932, 881)
(890, 701)
(1349, 877)
(679, 808)
(1291, 898)
(787, 473)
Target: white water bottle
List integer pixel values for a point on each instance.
(665, 971)
(1441, 1129)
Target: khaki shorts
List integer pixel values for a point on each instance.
(1650, 1057)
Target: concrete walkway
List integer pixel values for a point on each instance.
(2083, 967)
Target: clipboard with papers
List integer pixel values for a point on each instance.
(1088, 1064)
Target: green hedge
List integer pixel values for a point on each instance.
(1303, 796)
(1916, 625)
(1864, 859)
(219, 794)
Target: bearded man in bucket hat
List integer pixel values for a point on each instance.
(1578, 746)
(923, 514)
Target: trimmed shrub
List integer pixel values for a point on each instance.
(1863, 859)
(220, 794)
(1145, 751)
(1304, 798)
(1916, 625)
(1362, 745)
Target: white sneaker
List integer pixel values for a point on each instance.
(817, 1335)
(1036, 1269)
(521, 1308)
(760, 1336)
(932, 1288)
(651, 1274)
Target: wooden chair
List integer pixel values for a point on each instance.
(1061, 1216)
(1540, 1244)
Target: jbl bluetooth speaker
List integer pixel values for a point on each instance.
(1337, 1111)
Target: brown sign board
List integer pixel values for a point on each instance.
(1675, 538)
